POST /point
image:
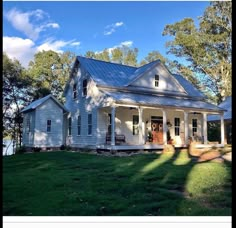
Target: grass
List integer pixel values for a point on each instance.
(79, 184)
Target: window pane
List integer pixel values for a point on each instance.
(69, 126)
(156, 80)
(135, 125)
(79, 125)
(89, 124)
(84, 87)
(49, 125)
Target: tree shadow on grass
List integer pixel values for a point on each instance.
(178, 183)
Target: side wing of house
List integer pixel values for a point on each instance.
(48, 125)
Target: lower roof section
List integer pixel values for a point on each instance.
(154, 100)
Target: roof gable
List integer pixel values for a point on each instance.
(121, 76)
(40, 101)
(145, 77)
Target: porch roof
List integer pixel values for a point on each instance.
(153, 100)
(226, 104)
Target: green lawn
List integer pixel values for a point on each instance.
(73, 184)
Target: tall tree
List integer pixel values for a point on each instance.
(117, 55)
(206, 48)
(50, 71)
(104, 55)
(16, 94)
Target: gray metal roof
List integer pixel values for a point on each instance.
(227, 105)
(188, 86)
(117, 75)
(40, 101)
(106, 73)
(152, 100)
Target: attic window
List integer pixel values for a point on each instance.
(156, 80)
(74, 91)
(85, 87)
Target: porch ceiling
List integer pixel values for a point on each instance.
(154, 100)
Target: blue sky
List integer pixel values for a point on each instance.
(80, 26)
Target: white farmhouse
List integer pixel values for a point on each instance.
(116, 107)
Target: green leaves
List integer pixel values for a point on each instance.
(207, 47)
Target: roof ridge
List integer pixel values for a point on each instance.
(107, 61)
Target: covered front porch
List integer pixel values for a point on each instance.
(152, 128)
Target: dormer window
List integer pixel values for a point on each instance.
(85, 87)
(156, 80)
(74, 91)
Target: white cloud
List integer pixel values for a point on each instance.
(118, 24)
(127, 43)
(24, 49)
(28, 22)
(53, 25)
(109, 29)
(75, 44)
(20, 49)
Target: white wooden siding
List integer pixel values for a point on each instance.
(28, 137)
(83, 106)
(48, 110)
(166, 81)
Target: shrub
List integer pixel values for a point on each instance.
(20, 150)
(37, 149)
(64, 147)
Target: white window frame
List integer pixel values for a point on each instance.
(69, 126)
(177, 126)
(28, 124)
(79, 125)
(49, 126)
(156, 80)
(135, 125)
(90, 124)
(75, 91)
(194, 128)
(85, 88)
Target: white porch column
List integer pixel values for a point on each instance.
(186, 134)
(205, 128)
(164, 127)
(140, 125)
(113, 125)
(222, 126)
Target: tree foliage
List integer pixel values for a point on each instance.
(206, 48)
(122, 55)
(50, 71)
(16, 94)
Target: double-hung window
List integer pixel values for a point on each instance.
(79, 125)
(74, 91)
(177, 126)
(85, 87)
(90, 124)
(28, 124)
(49, 125)
(156, 80)
(135, 124)
(194, 126)
(69, 126)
